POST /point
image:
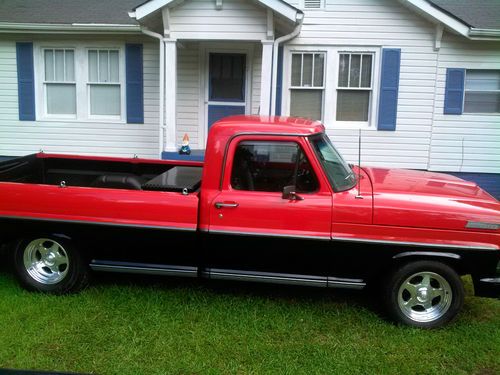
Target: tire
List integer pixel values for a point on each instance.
(424, 294)
(49, 264)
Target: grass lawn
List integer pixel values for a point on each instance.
(161, 326)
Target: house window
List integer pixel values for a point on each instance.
(482, 91)
(59, 82)
(307, 85)
(104, 82)
(80, 83)
(354, 86)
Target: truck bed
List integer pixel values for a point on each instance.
(102, 173)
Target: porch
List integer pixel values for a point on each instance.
(217, 58)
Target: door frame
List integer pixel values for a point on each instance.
(244, 48)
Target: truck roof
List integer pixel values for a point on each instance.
(267, 124)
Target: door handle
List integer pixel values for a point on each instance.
(226, 204)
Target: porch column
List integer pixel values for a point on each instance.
(170, 94)
(266, 77)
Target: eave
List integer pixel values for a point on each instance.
(437, 16)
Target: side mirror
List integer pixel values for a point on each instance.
(290, 194)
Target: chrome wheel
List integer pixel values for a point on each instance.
(46, 261)
(425, 297)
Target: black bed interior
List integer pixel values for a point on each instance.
(102, 174)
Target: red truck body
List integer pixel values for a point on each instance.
(323, 237)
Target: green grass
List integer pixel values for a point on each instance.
(163, 326)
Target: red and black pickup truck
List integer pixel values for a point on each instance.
(273, 202)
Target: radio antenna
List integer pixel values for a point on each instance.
(359, 196)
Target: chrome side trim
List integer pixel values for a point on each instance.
(253, 234)
(491, 280)
(426, 253)
(143, 268)
(482, 225)
(98, 223)
(283, 278)
(415, 244)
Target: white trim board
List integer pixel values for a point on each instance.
(278, 6)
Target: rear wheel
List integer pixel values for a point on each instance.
(424, 294)
(49, 264)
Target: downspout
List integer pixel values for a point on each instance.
(277, 42)
(162, 127)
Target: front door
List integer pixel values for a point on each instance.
(226, 85)
(253, 227)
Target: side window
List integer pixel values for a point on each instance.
(270, 166)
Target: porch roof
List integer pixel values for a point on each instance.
(279, 6)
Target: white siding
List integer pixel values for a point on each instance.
(381, 24)
(188, 94)
(74, 137)
(199, 20)
(467, 142)
(256, 77)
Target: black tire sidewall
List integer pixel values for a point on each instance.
(400, 275)
(74, 280)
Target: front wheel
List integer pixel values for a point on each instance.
(424, 294)
(49, 264)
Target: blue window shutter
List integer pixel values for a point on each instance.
(389, 89)
(135, 84)
(454, 91)
(25, 81)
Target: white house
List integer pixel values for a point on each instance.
(420, 78)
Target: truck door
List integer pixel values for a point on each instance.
(273, 213)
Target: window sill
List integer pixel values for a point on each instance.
(76, 120)
(348, 125)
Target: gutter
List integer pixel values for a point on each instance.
(277, 42)
(162, 127)
(476, 33)
(80, 28)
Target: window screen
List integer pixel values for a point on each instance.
(104, 82)
(307, 85)
(59, 82)
(482, 91)
(354, 86)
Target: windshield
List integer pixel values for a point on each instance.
(339, 173)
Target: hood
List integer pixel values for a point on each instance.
(430, 200)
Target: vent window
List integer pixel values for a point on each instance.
(314, 4)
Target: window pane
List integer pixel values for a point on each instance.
(366, 71)
(103, 66)
(70, 65)
(352, 105)
(343, 70)
(306, 103)
(482, 80)
(59, 60)
(227, 77)
(105, 100)
(61, 99)
(482, 102)
(296, 64)
(264, 166)
(49, 65)
(93, 74)
(319, 66)
(307, 70)
(114, 66)
(355, 70)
